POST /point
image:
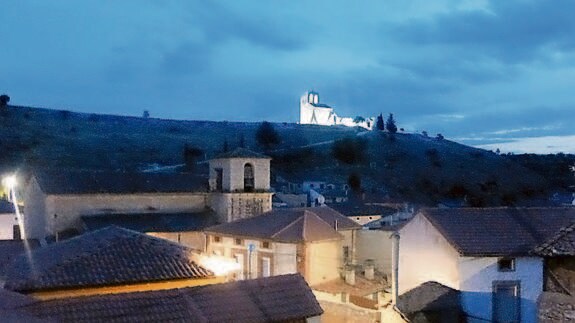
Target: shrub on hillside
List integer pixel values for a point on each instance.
(349, 150)
(267, 136)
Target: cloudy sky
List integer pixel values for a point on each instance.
(480, 72)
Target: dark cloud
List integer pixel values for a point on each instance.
(513, 31)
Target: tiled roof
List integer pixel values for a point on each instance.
(93, 182)
(498, 231)
(290, 225)
(110, 256)
(153, 222)
(11, 249)
(358, 209)
(241, 153)
(271, 299)
(427, 297)
(561, 244)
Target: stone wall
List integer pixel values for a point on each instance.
(556, 308)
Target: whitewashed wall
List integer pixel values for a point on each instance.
(376, 245)
(476, 283)
(425, 255)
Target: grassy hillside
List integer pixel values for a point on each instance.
(410, 166)
(58, 138)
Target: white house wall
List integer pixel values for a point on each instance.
(285, 260)
(34, 211)
(476, 283)
(323, 261)
(375, 245)
(425, 255)
(7, 223)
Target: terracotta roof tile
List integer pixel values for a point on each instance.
(271, 299)
(290, 225)
(498, 231)
(109, 256)
(561, 244)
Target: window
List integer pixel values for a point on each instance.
(238, 242)
(240, 260)
(266, 245)
(506, 264)
(506, 301)
(217, 239)
(249, 184)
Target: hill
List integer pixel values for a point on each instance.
(408, 166)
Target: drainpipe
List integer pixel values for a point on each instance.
(394, 267)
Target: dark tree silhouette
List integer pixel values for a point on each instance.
(191, 154)
(267, 136)
(4, 99)
(354, 182)
(242, 143)
(380, 125)
(226, 146)
(390, 124)
(358, 119)
(349, 150)
(146, 114)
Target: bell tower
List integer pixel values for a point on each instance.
(239, 184)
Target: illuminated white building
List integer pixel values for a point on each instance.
(313, 112)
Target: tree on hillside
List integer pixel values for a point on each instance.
(359, 119)
(354, 182)
(349, 150)
(4, 99)
(146, 114)
(267, 136)
(390, 124)
(380, 125)
(225, 146)
(242, 142)
(191, 154)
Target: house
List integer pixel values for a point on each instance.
(315, 242)
(273, 299)
(363, 213)
(183, 228)
(313, 112)
(106, 261)
(8, 221)
(237, 187)
(484, 253)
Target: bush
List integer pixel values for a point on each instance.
(267, 136)
(349, 150)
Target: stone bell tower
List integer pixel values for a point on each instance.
(239, 184)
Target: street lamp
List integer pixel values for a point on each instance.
(10, 182)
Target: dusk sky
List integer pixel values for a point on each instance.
(476, 71)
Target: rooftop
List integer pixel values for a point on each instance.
(290, 225)
(153, 222)
(6, 207)
(429, 297)
(499, 231)
(271, 299)
(241, 153)
(561, 244)
(101, 182)
(109, 256)
(12, 249)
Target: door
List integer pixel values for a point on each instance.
(506, 301)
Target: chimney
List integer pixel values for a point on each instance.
(350, 275)
(369, 269)
(394, 267)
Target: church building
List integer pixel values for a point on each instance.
(313, 112)
(238, 186)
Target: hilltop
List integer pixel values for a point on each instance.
(408, 166)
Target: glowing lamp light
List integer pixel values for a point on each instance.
(9, 181)
(221, 266)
